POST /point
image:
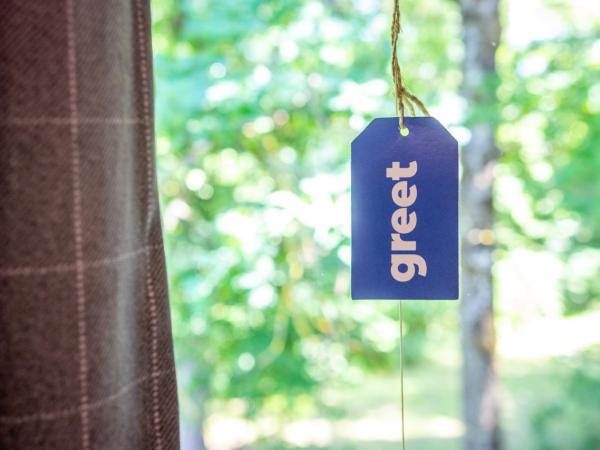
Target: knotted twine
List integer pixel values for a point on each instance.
(404, 98)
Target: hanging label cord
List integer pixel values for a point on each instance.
(403, 96)
(404, 99)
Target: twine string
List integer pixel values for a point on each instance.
(404, 98)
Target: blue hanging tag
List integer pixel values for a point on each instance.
(405, 211)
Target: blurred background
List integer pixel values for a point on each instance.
(257, 103)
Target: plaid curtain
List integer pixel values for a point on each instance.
(86, 358)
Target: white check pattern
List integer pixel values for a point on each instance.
(86, 357)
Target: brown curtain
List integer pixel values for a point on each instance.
(86, 357)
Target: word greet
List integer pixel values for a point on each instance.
(404, 211)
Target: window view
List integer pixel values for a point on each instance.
(256, 105)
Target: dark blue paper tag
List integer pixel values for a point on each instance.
(405, 211)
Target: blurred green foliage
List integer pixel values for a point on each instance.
(257, 104)
(253, 112)
(548, 184)
(569, 417)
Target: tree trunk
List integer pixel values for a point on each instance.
(481, 34)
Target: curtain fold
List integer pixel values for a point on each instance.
(86, 359)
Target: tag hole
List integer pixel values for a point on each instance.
(404, 131)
